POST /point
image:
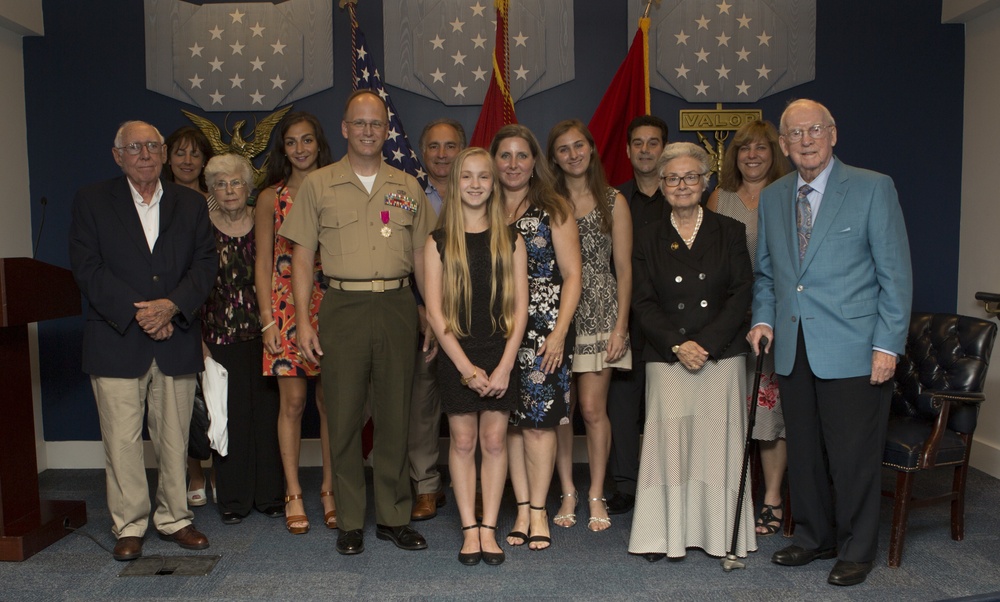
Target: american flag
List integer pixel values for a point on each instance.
(397, 150)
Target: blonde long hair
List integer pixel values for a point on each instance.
(456, 279)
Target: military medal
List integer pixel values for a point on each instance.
(386, 230)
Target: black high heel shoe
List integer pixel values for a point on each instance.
(473, 558)
(519, 534)
(492, 558)
(539, 538)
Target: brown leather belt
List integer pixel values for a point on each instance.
(368, 286)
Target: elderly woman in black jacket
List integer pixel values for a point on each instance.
(692, 282)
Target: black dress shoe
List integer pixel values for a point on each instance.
(798, 556)
(620, 503)
(654, 556)
(405, 537)
(494, 558)
(351, 542)
(231, 518)
(273, 511)
(471, 559)
(849, 573)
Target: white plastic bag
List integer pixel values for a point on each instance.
(215, 387)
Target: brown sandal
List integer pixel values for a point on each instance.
(330, 518)
(295, 518)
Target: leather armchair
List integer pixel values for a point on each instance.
(935, 406)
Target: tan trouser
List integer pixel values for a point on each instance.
(120, 404)
(425, 427)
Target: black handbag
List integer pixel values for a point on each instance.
(198, 446)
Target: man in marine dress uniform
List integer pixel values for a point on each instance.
(369, 222)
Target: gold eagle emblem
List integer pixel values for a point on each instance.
(239, 145)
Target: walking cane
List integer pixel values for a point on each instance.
(731, 562)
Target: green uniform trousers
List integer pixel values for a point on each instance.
(369, 340)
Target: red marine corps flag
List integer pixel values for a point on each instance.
(498, 106)
(626, 98)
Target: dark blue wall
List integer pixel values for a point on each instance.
(890, 72)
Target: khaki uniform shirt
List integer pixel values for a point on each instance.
(335, 213)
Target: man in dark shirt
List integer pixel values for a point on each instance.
(647, 135)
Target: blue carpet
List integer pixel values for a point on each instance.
(261, 561)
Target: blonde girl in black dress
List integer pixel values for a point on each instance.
(477, 303)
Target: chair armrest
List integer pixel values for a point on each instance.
(930, 402)
(941, 403)
(991, 300)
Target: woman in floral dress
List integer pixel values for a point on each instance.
(754, 160)
(544, 220)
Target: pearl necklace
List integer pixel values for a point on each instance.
(697, 225)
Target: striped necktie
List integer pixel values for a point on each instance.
(803, 219)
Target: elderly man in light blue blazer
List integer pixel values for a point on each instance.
(832, 291)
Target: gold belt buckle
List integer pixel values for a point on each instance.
(378, 286)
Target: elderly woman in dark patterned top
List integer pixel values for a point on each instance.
(691, 295)
(754, 160)
(249, 476)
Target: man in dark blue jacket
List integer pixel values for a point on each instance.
(143, 254)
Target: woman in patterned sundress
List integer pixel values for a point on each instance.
(544, 220)
(754, 160)
(299, 148)
(602, 343)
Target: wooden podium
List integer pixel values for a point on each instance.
(30, 291)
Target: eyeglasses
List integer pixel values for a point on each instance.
(816, 132)
(235, 185)
(136, 147)
(361, 124)
(690, 179)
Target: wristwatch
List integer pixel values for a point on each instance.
(675, 349)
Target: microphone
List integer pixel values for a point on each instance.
(38, 236)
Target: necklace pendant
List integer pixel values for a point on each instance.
(386, 231)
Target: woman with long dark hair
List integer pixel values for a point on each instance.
(299, 148)
(544, 220)
(601, 322)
